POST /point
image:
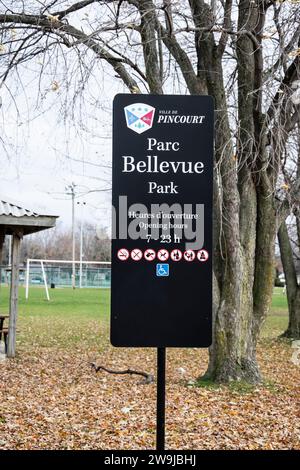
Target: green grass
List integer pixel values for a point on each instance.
(78, 303)
(279, 301)
(76, 317)
(80, 316)
(277, 320)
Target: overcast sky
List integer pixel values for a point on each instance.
(43, 154)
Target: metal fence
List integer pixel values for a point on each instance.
(61, 276)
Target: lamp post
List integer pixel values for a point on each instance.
(71, 189)
(81, 242)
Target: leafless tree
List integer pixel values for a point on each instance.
(246, 55)
(57, 244)
(289, 233)
(289, 247)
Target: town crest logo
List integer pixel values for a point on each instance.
(139, 117)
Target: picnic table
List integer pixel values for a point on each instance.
(2, 319)
(3, 331)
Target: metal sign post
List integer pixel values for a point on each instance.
(161, 399)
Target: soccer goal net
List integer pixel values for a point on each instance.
(58, 273)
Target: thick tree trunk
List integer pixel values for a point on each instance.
(247, 229)
(292, 287)
(231, 352)
(293, 329)
(148, 36)
(232, 355)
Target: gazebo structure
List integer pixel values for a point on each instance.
(18, 221)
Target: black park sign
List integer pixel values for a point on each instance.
(161, 292)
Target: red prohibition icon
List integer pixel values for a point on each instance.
(202, 256)
(189, 255)
(136, 254)
(163, 254)
(149, 254)
(123, 254)
(176, 255)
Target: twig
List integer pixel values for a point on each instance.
(148, 377)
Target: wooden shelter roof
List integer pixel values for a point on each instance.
(15, 217)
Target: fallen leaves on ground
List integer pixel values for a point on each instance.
(50, 398)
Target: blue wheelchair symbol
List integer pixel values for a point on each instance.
(162, 270)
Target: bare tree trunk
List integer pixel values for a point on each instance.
(148, 36)
(232, 355)
(292, 287)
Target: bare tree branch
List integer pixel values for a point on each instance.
(73, 8)
(148, 377)
(55, 25)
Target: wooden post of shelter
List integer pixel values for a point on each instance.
(18, 221)
(13, 304)
(2, 238)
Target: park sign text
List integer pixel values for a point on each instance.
(161, 287)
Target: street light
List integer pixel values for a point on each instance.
(71, 192)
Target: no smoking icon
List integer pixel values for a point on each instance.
(123, 254)
(136, 254)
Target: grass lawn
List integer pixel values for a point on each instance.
(64, 321)
(277, 320)
(51, 399)
(82, 307)
(78, 303)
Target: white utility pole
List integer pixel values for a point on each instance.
(71, 189)
(81, 242)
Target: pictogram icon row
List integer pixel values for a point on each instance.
(162, 255)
